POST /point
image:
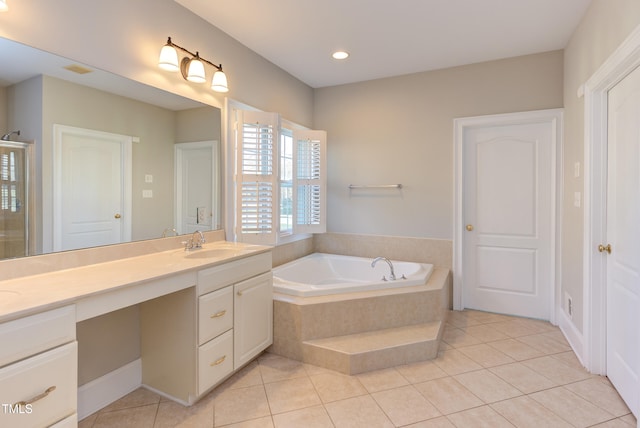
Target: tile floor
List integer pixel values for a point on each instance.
(492, 371)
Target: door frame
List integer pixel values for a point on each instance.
(555, 118)
(594, 275)
(179, 148)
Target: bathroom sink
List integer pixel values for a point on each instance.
(211, 253)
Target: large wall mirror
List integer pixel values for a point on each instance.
(87, 135)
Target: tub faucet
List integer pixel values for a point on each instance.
(377, 259)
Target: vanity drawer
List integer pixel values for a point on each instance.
(215, 314)
(47, 383)
(27, 336)
(215, 361)
(214, 278)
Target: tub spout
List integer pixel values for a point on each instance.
(392, 276)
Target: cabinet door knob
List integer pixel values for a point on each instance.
(117, 216)
(239, 293)
(469, 227)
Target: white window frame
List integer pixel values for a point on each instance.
(234, 115)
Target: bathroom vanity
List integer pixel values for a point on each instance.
(203, 315)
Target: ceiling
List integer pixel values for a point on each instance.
(390, 37)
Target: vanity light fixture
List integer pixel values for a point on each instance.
(191, 67)
(4, 6)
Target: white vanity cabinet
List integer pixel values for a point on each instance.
(38, 370)
(194, 339)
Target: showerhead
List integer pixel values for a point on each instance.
(7, 137)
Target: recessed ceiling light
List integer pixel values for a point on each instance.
(340, 55)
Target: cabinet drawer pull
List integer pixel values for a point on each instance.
(218, 361)
(37, 397)
(219, 314)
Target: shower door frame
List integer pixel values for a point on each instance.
(29, 200)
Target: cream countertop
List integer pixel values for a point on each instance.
(32, 294)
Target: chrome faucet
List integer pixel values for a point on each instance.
(194, 244)
(377, 259)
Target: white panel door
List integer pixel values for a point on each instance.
(195, 187)
(91, 188)
(509, 215)
(623, 234)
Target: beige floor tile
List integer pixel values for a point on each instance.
(570, 407)
(311, 417)
(247, 376)
(461, 319)
(485, 333)
(134, 417)
(525, 412)
(490, 317)
(381, 380)
(454, 362)
(485, 355)
(275, 368)
(137, 398)
(357, 412)
(570, 359)
(517, 350)
(441, 422)
(615, 423)
(515, 328)
(264, 422)
(630, 419)
(292, 394)
(336, 386)
(538, 326)
(456, 338)
(544, 344)
(448, 395)
(480, 417)
(171, 414)
(88, 421)
(242, 404)
(314, 370)
(421, 371)
(601, 394)
(556, 370)
(405, 405)
(487, 386)
(523, 378)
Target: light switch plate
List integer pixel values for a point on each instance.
(576, 169)
(148, 178)
(147, 193)
(577, 199)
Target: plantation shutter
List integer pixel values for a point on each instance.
(309, 181)
(257, 185)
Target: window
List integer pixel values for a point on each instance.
(280, 179)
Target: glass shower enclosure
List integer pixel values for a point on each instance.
(14, 188)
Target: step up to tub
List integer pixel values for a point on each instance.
(374, 350)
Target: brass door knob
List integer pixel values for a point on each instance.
(469, 227)
(117, 216)
(602, 248)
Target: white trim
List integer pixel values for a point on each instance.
(555, 118)
(623, 60)
(572, 334)
(100, 392)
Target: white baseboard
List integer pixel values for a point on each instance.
(573, 336)
(106, 389)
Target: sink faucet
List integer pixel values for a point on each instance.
(377, 259)
(195, 243)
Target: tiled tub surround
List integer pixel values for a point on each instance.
(358, 332)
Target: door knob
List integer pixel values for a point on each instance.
(469, 227)
(602, 248)
(117, 216)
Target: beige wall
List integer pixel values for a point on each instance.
(400, 130)
(605, 25)
(125, 37)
